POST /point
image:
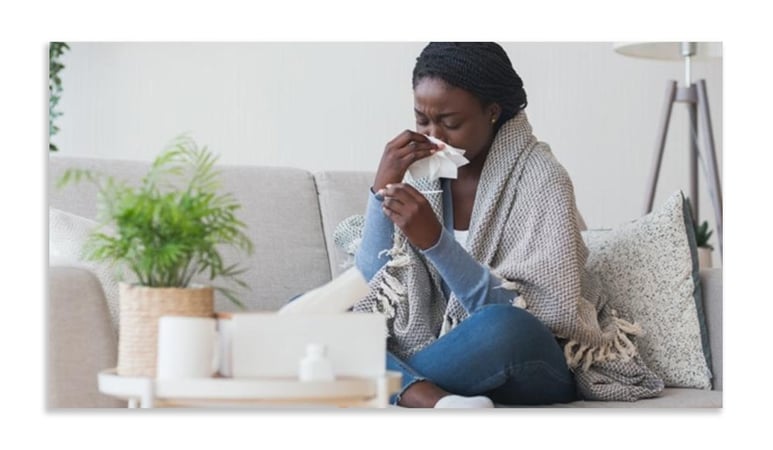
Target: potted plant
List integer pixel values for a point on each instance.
(164, 232)
(702, 235)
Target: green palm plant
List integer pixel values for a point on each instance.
(169, 228)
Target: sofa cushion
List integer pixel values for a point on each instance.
(279, 207)
(669, 398)
(341, 194)
(647, 269)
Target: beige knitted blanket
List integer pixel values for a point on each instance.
(524, 227)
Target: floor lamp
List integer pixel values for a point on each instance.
(694, 95)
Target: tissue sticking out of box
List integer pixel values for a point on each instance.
(336, 296)
(442, 164)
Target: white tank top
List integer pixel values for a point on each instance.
(461, 237)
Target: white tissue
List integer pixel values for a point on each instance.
(442, 164)
(335, 296)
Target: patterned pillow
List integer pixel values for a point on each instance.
(66, 235)
(649, 269)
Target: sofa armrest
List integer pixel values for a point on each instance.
(80, 340)
(711, 281)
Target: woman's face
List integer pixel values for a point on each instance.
(454, 116)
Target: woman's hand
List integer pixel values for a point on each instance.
(402, 151)
(410, 211)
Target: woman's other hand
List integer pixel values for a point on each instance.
(409, 210)
(402, 151)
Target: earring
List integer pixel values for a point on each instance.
(493, 120)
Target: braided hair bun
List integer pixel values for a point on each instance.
(481, 68)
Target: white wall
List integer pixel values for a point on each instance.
(321, 106)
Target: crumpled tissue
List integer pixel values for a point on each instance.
(442, 164)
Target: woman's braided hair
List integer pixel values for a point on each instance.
(481, 68)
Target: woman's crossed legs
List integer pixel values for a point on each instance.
(501, 351)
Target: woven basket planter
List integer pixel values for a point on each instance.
(140, 309)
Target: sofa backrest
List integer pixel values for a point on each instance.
(279, 206)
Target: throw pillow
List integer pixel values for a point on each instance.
(66, 235)
(647, 267)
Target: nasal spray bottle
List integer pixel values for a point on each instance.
(315, 366)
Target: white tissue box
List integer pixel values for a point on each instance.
(272, 345)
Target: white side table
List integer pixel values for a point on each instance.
(230, 392)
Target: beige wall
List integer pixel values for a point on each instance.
(325, 106)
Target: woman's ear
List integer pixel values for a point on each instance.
(494, 111)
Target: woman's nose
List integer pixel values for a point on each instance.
(435, 132)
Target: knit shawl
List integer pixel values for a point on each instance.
(524, 227)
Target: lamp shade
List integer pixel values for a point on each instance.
(668, 50)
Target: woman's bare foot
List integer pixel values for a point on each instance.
(422, 394)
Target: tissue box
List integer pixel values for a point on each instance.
(272, 345)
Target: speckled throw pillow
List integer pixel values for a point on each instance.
(67, 233)
(649, 272)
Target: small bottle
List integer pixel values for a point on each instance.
(315, 366)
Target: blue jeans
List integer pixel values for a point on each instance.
(502, 352)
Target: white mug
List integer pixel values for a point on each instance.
(187, 347)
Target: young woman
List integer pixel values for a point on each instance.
(482, 277)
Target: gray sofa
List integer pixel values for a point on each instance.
(291, 215)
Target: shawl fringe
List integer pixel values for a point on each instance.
(620, 348)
